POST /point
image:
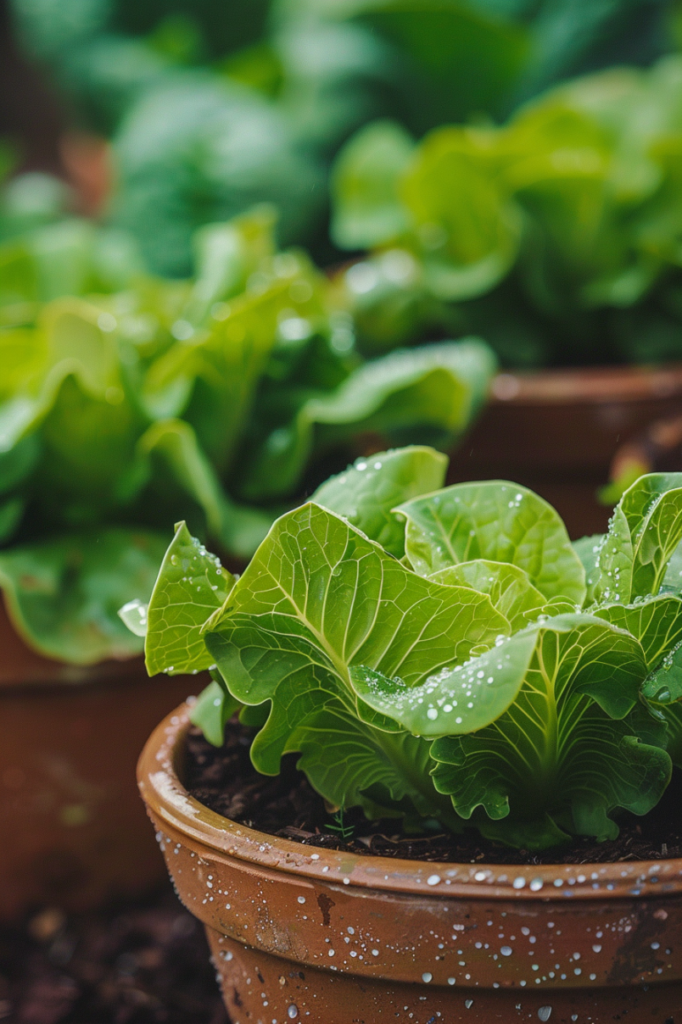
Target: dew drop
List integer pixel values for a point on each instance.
(468, 1003)
(433, 880)
(544, 1013)
(427, 977)
(292, 1011)
(506, 951)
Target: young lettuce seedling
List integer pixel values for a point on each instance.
(445, 653)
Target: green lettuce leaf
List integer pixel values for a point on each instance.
(319, 597)
(644, 533)
(213, 710)
(656, 622)
(354, 765)
(497, 521)
(370, 489)
(367, 207)
(435, 388)
(509, 588)
(566, 753)
(467, 226)
(191, 585)
(63, 595)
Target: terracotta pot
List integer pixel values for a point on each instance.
(299, 933)
(73, 832)
(557, 431)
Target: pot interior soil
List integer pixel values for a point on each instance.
(142, 963)
(224, 780)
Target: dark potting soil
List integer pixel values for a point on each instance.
(286, 805)
(145, 963)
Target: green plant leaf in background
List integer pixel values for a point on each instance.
(62, 596)
(367, 207)
(435, 389)
(467, 227)
(371, 488)
(497, 521)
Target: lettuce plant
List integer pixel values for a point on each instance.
(128, 402)
(554, 235)
(444, 652)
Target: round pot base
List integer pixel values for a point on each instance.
(259, 988)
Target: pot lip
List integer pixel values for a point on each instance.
(171, 804)
(587, 385)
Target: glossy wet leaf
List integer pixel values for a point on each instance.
(645, 531)
(509, 588)
(367, 492)
(497, 521)
(566, 748)
(319, 597)
(190, 587)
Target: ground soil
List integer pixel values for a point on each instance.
(286, 805)
(142, 964)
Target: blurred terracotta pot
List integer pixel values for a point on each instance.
(556, 431)
(72, 827)
(300, 933)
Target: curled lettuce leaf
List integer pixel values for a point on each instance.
(476, 680)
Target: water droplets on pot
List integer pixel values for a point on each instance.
(544, 1013)
(292, 1011)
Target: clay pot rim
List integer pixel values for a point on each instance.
(165, 795)
(587, 385)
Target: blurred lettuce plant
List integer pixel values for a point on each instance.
(556, 235)
(216, 106)
(128, 402)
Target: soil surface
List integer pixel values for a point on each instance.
(225, 780)
(142, 964)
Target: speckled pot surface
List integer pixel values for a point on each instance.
(316, 935)
(73, 833)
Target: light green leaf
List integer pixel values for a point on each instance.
(509, 588)
(134, 614)
(467, 227)
(499, 522)
(643, 536)
(213, 710)
(656, 623)
(226, 254)
(319, 597)
(191, 585)
(437, 388)
(368, 490)
(587, 550)
(62, 595)
(567, 746)
(240, 529)
(351, 765)
(367, 208)
(664, 685)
